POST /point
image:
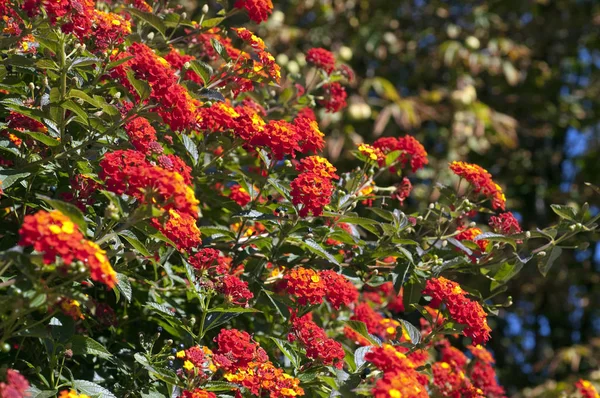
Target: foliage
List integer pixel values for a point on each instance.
(170, 229)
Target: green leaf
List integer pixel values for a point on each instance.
(124, 286)
(92, 389)
(319, 251)
(149, 18)
(9, 177)
(220, 49)
(83, 345)
(412, 293)
(359, 355)
(212, 22)
(286, 350)
(224, 309)
(135, 242)
(413, 332)
(46, 63)
(385, 214)
(191, 148)
(219, 386)
(565, 212)
(360, 328)
(546, 262)
(35, 392)
(505, 273)
(84, 61)
(75, 108)
(161, 309)
(41, 137)
(391, 157)
(68, 210)
(142, 88)
(204, 70)
(74, 93)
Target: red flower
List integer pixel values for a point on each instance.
(481, 354)
(314, 339)
(16, 385)
(338, 289)
(305, 285)
(449, 380)
(334, 97)
(236, 350)
(236, 290)
(322, 59)
(281, 137)
(470, 234)
(461, 309)
(307, 113)
(317, 165)
(204, 259)
(176, 164)
(364, 313)
(54, 235)
(399, 384)
(177, 61)
(311, 138)
(141, 133)
(483, 377)
(403, 190)
(586, 389)
(312, 191)
(258, 10)
(108, 29)
(180, 228)
(198, 393)
(481, 181)
(505, 223)
(239, 195)
(411, 150)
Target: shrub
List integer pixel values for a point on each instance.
(171, 228)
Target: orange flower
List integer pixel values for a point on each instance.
(481, 181)
(461, 309)
(470, 234)
(317, 165)
(180, 228)
(305, 285)
(258, 10)
(586, 389)
(54, 235)
(312, 191)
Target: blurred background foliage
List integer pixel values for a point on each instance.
(512, 85)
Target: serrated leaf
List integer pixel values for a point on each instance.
(204, 70)
(286, 350)
(412, 293)
(124, 286)
(546, 262)
(35, 392)
(83, 345)
(320, 251)
(83, 61)
(385, 214)
(413, 332)
(211, 94)
(75, 108)
(68, 210)
(149, 18)
(161, 309)
(360, 328)
(9, 177)
(232, 309)
(191, 148)
(92, 389)
(460, 245)
(359, 355)
(141, 87)
(212, 22)
(135, 242)
(565, 212)
(505, 273)
(41, 137)
(219, 48)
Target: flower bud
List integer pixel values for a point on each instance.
(472, 224)
(420, 218)
(184, 15)
(528, 234)
(288, 163)
(187, 65)
(82, 48)
(150, 36)
(117, 95)
(31, 86)
(579, 225)
(77, 46)
(572, 227)
(444, 243)
(431, 206)
(205, 9)
(542, 254)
